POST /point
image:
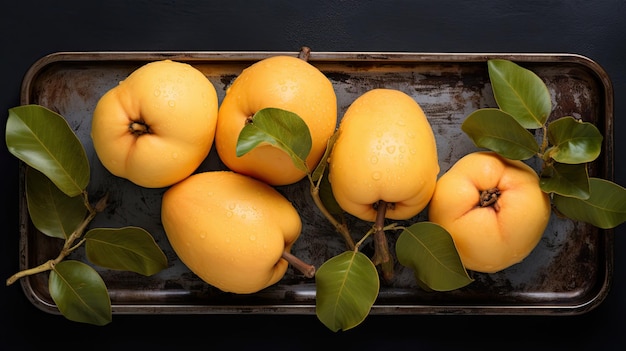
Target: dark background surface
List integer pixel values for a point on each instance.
(32, 29)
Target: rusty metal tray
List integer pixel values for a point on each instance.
(569, 272)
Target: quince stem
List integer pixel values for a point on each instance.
(305, 268)
(68, 246)
(382, 255)
(305, 53)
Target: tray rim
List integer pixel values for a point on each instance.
(342, 56)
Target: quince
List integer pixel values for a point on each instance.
(493, 208)
(385, 150)
(157, 125)
(231, 230)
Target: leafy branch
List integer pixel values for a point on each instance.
(57, 175)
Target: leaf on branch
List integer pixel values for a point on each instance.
(566, 180)
(52, 212)
(44, 140)
(129, 248)
(80, 293)
(346, 287)
(498, 131)
(605, 208)
(279, 128)
(428, 249)
(520, 92)
(573, 141)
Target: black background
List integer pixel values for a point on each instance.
(32, 29)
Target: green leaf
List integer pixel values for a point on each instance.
(346, 287)
(498, 131)
(52, 212)
(566, 180)
(280, 128)
(44, 140)
(574, 141)
(605, 208)
(80, 293)
(428, 249)
(129, 248)
(520, 92)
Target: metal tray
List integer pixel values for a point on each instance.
(569, 272)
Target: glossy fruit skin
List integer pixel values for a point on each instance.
(386, 150)
(490, 239)
(178, 104)
(284, 82)
(230, 229)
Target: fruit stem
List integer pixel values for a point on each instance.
(489, 197)
(305, 268)
(305, 53)
(381, 246)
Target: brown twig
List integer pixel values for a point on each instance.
(68, 247)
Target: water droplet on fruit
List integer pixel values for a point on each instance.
(391, 149)
(171, 103)
(229, 214)
(203, 235)
(157, 92)
(374, 160)
(376, 175)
